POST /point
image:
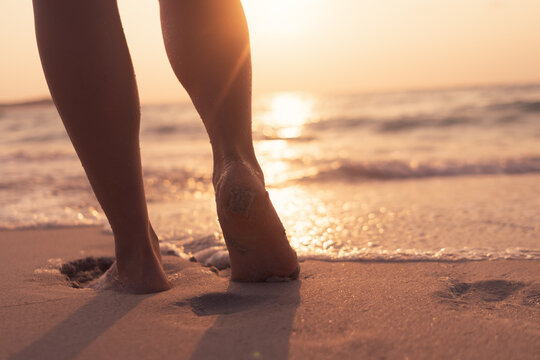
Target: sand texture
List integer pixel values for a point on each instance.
(414, 310)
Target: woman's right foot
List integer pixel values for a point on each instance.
(258, 246)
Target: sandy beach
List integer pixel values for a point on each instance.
(414, 310)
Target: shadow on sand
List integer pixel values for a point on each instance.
(255, 321)
(71, 336)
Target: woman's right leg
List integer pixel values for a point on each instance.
(207, 42)
(90, 75)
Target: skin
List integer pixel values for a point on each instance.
(89, 71)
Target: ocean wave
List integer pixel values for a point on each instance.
(440, 255)
(25, 156)
(395, 170)
(410, 123)
(526, 106)
(395, 124)
(210, 249)
(340, 123)
(215, 254)
(472, 115)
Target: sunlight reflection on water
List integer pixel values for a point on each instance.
(286, 115)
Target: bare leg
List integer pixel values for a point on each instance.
(91, 79)
(207, 43)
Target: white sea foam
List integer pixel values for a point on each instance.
(217, 256)
(445, 255)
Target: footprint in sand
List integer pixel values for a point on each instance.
(532, 296)
(82, 271)
(489, 291)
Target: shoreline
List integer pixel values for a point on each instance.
(345, 310)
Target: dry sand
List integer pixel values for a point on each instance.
(480, 310)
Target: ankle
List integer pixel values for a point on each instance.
(138, 265)
(225, 164)
(136, 249)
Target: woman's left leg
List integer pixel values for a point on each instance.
(89, 72)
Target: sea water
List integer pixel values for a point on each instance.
(448, 174)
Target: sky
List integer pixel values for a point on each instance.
(321, 46)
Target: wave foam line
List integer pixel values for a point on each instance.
(396, 169)
(217, 255)
(441, 255)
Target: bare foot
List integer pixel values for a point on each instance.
(256, 240)
(150, 281)
(140, 272)
(108, 281)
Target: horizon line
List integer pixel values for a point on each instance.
(46, 100)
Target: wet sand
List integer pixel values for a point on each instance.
(415, 310)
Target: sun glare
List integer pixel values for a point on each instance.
(284, 118)
(287, 113)
(283, 17)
